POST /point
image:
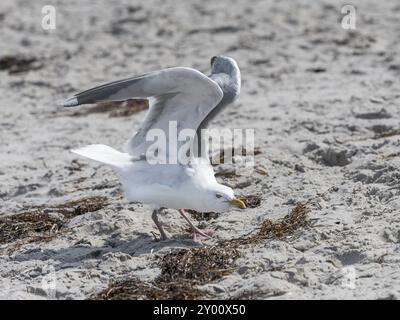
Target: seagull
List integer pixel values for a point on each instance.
(189, 98)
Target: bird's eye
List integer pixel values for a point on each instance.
(218, 196)
(213, 59)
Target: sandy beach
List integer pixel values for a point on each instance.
(323, 202)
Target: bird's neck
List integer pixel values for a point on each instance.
(229, 84)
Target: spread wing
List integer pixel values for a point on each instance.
(181, 96)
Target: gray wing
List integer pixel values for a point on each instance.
(179, 94)
(231, 90)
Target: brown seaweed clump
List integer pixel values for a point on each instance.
(181, 271)
(43, 223)
(387, 134)
(78, 207)
(199, 265)
(201, 216)
(135, 289)
(286, 227)
(28, 225)
(251, 201)
(18, 64)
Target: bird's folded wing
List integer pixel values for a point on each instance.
(182, 95)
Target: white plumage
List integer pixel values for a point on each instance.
(188, 98)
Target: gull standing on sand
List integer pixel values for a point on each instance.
(189, 98)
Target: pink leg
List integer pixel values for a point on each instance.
(196, 231)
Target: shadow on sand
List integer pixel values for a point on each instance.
(75, 255)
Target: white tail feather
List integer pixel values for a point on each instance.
(104, 154)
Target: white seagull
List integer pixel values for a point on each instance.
(189, 98)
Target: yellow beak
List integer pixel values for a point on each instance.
(238, 203)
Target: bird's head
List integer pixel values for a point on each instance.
(225, 71)
(223, 64)
(220, 198)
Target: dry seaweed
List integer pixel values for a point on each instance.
(279, 229)
(251, 201)
(376, 136)
(261, 171)
(39, 223)
(135, 289)
(181, 271)
(115, 108)
(201, 216)
(18, 64)
(387, 134)
(199, 265)
(75, 208)
(128, 289)
(257, 294)
(29, 224)
(227, 174)
(74, 166)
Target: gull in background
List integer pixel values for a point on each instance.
(190, 98)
